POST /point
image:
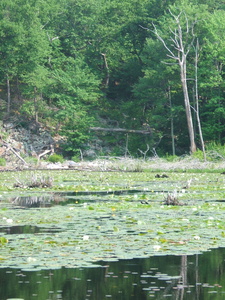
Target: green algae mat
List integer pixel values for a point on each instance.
(88, 217)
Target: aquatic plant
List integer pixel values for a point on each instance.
(35, 182)
(106, 216)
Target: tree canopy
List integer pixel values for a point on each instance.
(73, 65)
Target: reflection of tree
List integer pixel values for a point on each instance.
(124, 279)
(177, 287)
(184, 277)
(197, 277)
(183, 274)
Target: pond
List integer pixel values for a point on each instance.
(199, 277)
(112, 235)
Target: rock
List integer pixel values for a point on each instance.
(71, 163)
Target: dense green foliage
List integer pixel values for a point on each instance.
(74, 64)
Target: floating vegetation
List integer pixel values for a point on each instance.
(107, 232)
(3, 241)
(35, 182)
(172, 199)
(110, 216)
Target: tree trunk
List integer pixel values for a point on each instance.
(171, 123)
(35, 105)
(8, 94)
(197, 102)
(107, 70)
(121, 130)
(187, 104)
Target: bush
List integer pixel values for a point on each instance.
(31, 160)
(198, 155)
(215, 151)
(2, 162)
(54, 158)
(171, 158)
(76, 158)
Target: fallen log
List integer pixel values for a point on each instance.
(13, 151)
(121, 130)
(8, 147)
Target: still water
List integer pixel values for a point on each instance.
(194, 277)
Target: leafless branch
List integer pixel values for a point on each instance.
(144, 27)
(172, 55)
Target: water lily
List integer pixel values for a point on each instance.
(31, 259)
(196, 237)
(9, 221)
(156, 247)
(186, 220)
(85, 237)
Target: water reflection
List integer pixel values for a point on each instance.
(199, 277)
(28, 229)
(64, 198)
(36, 201)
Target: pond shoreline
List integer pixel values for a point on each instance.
(121, 164)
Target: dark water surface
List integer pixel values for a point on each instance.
(200, 277)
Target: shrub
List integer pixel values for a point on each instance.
(198, 155)
(31, 160)
(2, 162)
(54, 158)
(76, 158)
(215, 151)
(171, 158)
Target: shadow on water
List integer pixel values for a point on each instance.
(199, 277)
(64, 198)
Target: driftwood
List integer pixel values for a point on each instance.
(46, 152)
(121, 130)
(14, 152)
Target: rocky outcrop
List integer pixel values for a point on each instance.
(18, 143)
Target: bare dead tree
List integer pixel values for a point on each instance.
(179, 51)
(144, 153)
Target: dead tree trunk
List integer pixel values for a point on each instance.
(183, 73)
(197, 102)
(121, 130)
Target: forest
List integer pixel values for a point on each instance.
(121, 77)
